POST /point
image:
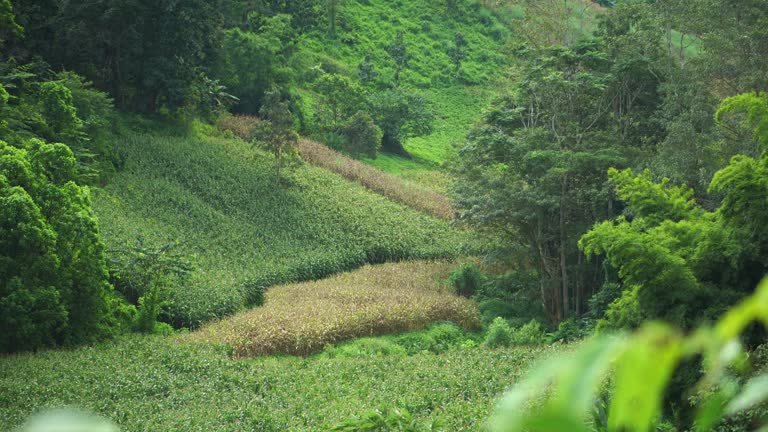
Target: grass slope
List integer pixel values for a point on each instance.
(303, 318)
(366, 27)
(158, 384)
(217, 198)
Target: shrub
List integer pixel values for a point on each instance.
(572, 329)
(499, 334)
(437, 339)
(529, 334)
(466, 280)
(365, 347)
(145, 275)
(361, 134)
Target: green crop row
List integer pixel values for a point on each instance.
(156, 383)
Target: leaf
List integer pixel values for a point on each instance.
(755, 392)
(576, 378)
(642, 373)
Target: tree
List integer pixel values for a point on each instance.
(251, 61)
(143, 275)
(400, 114)
(677, 261)
(458, 52)
(146, 53)
(532, 173)
(341, 99)
(54, 285)
(332, 9)
(367, 71)
(8, 26)
(362, 135)
(398, 53)
(275, 132)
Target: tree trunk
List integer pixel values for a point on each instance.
(279, 167)
(563, 240)
(391, 145)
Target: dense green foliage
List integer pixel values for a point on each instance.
(641, 367)
(157, 383)
(216, 198)
(632, 93)
(615, 172)
(676, 260)
(53, 275)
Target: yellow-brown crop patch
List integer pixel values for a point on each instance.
(303, 318)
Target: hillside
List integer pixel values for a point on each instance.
(384, 215)
(216, 198)
(457, 96)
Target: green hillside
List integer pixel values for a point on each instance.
(457, 97)
(217, 199)
(384, 215)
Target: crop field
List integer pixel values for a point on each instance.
(405, 192)
(216, 198)
(160, 384)
(419, 193)
(303, 318)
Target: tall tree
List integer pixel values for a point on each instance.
(146, 53)
(398, 53)
(53, 278)
(458, 52)
(341, 99)
(532, 173)
(275, 132)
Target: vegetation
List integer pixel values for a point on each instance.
(511, 173)
(641, 367)
(394, 188)
(156, 382)
(215, 198)
(54, 277)
(408, 193)
(303, 318)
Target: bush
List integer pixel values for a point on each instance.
(361, 134)
(499, 334)
(572, 329)
(528, 334)
(436, 339)
(466, 280)
(145, 275)
(364, 348)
